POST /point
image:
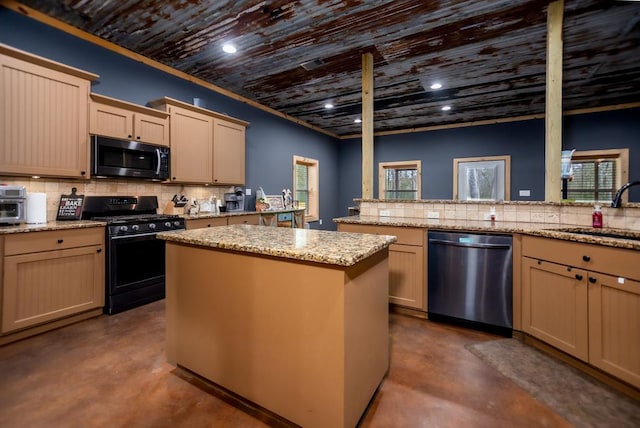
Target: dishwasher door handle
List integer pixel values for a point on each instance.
(477, 245)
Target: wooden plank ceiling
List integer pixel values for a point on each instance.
(295, 56)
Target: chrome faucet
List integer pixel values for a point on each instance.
(618, 198)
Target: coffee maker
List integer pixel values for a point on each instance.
(237, 200)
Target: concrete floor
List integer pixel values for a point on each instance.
(111, 371)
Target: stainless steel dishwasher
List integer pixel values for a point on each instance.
(470, 280)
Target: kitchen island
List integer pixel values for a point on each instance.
(293, 320)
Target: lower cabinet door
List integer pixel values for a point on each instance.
(554, 305)
(407, 276)
(614, 326)
(44, 286)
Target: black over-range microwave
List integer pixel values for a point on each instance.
(123, 158)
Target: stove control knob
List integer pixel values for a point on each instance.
(135, 227)
(176, 223)
(167, 224)
(152, 225)
(124, 228)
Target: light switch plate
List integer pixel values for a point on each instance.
(384, 213)
(247, 192)
(525, 192)
(433, 214)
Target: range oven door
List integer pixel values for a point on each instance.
(135, 271)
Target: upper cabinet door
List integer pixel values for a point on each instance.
(191, 146)
(115, 118)
(110, 121)
(43, 117)
(228, 152)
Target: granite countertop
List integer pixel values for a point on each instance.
(327, 247)
(235, 213)
(51, 225)
(623, 238)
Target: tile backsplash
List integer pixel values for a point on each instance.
(538, 212)
(112, 187)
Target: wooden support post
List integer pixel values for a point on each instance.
(367, 126)
(553, 116)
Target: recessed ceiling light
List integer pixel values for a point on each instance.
(328, 105)
(229, 48)
(436, 85)
(446, 108)
(357, 121)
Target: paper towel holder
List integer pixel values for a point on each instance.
(70, 206)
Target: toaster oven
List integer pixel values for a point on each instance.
(12, 204)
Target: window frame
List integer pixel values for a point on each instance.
(507, 172)
(409, 164)
(621, 156)
(312, 212)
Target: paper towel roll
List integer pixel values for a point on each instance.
(36, 207)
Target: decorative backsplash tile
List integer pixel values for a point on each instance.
(538, 212)
(112, 187)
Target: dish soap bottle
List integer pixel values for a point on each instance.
(596, 217)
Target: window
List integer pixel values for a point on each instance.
(597, 174)
(482, 179)
(400, 180)
(305, 186)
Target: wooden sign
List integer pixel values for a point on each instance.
(70, 206)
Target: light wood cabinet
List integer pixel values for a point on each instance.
(555, 308)
(206, 147)
(253, 219)
(228, 152)
(43, 116)
(585, 300)
(614, 326)
(119, 119)
(407, 277)
(51, 275)
(199, 223)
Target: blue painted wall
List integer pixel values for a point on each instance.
(523, 141)
(271, 141)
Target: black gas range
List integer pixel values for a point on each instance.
(135, 258)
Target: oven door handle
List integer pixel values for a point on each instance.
(140, 235)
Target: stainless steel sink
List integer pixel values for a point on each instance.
(634, 236)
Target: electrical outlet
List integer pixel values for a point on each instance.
(247, 192)
(320, 221)
(525, 192)
(433, 214)
(384, 213)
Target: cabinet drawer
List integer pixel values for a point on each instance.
(205, 222)
(614, 261)
(245, 219)
(33, 242)
(406, 235)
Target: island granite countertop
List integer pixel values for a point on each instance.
(623, 238)
(327, 247)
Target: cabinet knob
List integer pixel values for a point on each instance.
(592, 280)
(83, 172)
(586, 258)
(129, 136)
(138, 137)
(579, 277)
(539, 262)
(60, 241)
(99, 250)
(173, 178)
